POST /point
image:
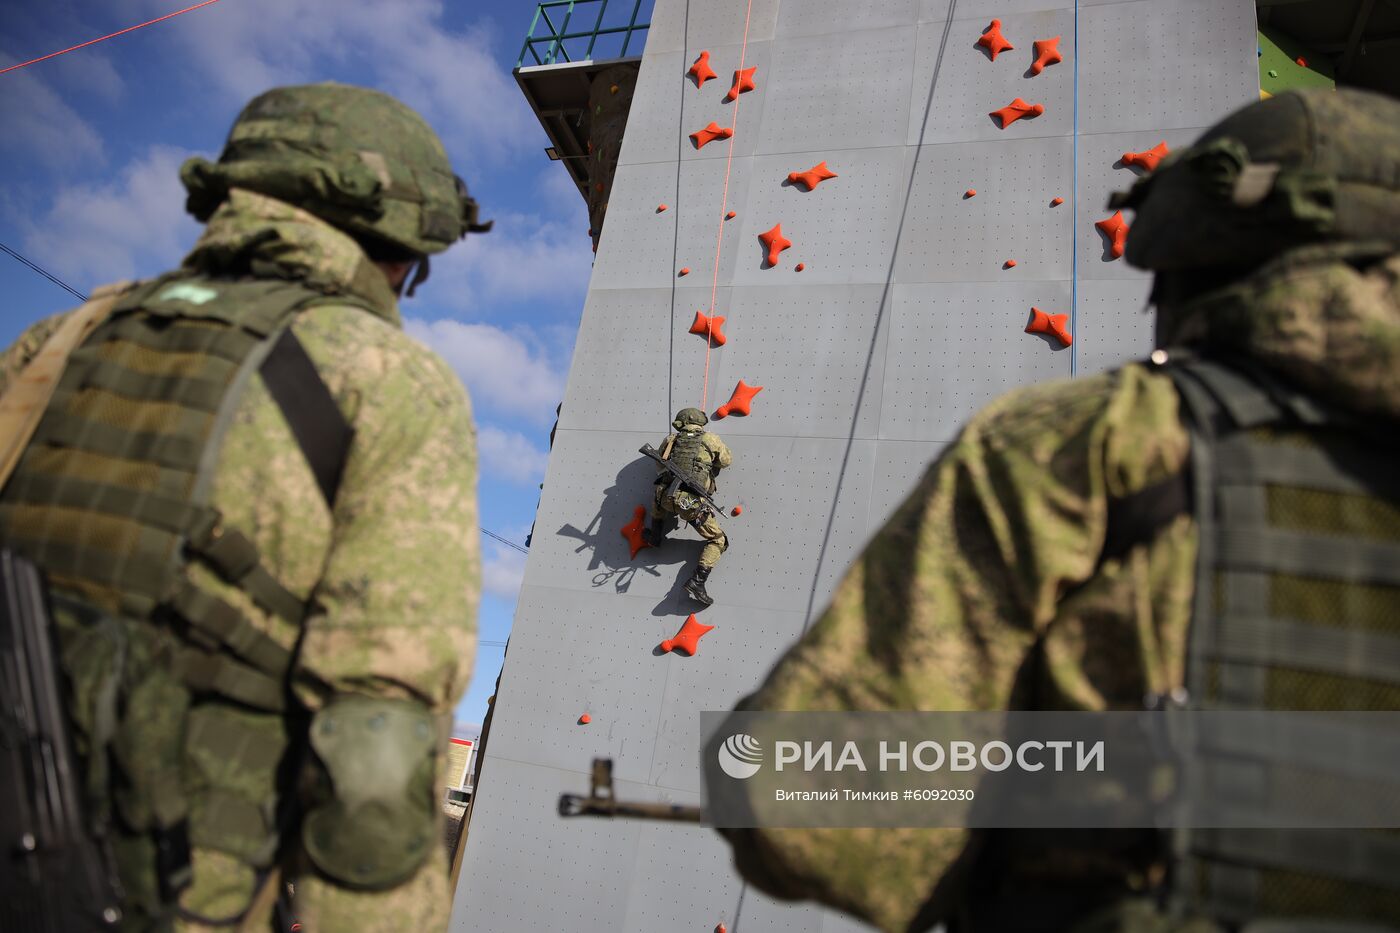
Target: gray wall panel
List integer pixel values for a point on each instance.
(955, 347)
(867, 376)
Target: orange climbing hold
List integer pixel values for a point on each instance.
(709, 326)
(970, 193)
(702, 138)
(740, 402)
(1047, 52)
(685, 270)
(585, 719)
(701, 70)
(1016, 110)
(812, 177)
(1116, 229)
(774, 243)
(688, 638)
(660, 208)
(721, 928)
(1052, 324)
(730, 216)
(1148, 158)
(1056, 201)
(743, 83)
(1009, 264)
(737, 511)
(1301, 61)
(993, 41)
(632, 531)
(800, 266)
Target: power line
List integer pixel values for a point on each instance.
(81, 297)
(110, 35)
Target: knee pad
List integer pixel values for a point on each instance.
(375, 819)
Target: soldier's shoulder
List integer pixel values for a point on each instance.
(366, 353)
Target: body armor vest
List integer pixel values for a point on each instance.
(690, 454)
(1296, 607)
(171, 689)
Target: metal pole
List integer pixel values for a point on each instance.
(598, 24)
(631, 24)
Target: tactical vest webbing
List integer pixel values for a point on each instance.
(1297, 606)
(110, 499)
(690, 454)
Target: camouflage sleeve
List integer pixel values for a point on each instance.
(17, 356)
(939, 613)
(723, 458)
(394, 610)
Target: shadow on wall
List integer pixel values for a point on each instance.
(611, 562)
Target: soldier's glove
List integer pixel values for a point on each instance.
(377, 817)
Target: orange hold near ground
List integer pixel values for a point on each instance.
(1047, 52)
(1116, 229)
(1148, 158)
(993, 41)
(685, 270)
(740, 402)
(701, 70)
(774, 243)
(970, 193)
(702, 138)
(1052, 324)
(1056, 201)
(743, 83)
(1016, 110)
(812, 177)
(709, 326)
(632, 531)
(688, 638)
(585, 719)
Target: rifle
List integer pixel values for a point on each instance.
(601, 801)
(680, 479)
(57, 875)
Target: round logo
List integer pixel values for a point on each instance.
(740, 756)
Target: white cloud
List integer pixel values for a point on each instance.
(449, 77)
(133, 226)
(507, 372)
(525, 257)
(510, 456)
(89, 73)
(502, 570)
(40, 126)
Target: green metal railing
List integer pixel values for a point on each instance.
(554, 43)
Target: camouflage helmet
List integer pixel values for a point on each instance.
(1301, 167)
(354, 157)
(689, 419)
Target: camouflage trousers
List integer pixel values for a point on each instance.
(665, 512)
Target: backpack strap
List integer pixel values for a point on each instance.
(317, 423)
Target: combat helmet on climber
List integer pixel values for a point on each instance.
(702, 455)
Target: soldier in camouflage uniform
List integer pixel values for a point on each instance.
(1006, 580)
(264, 654)
(701, 454)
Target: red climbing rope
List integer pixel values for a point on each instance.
(110, 35)
(723, 207)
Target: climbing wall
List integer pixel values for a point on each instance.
(896, 207)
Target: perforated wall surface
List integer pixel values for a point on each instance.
(903, 321)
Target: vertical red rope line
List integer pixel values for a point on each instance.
(723, 208)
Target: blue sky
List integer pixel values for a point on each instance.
(93, 141)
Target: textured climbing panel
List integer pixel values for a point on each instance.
(812, 177)
(773, 243)
(743, 83)
(700, 70)
(740, 402)
(901, 326)
(711, 327)
(1148, 158)
(687, 640)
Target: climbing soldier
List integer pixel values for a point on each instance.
(700, 455)
(1218, 527)
(253, 498)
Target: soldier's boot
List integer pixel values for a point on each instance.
(695, 586)
(655, 533)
